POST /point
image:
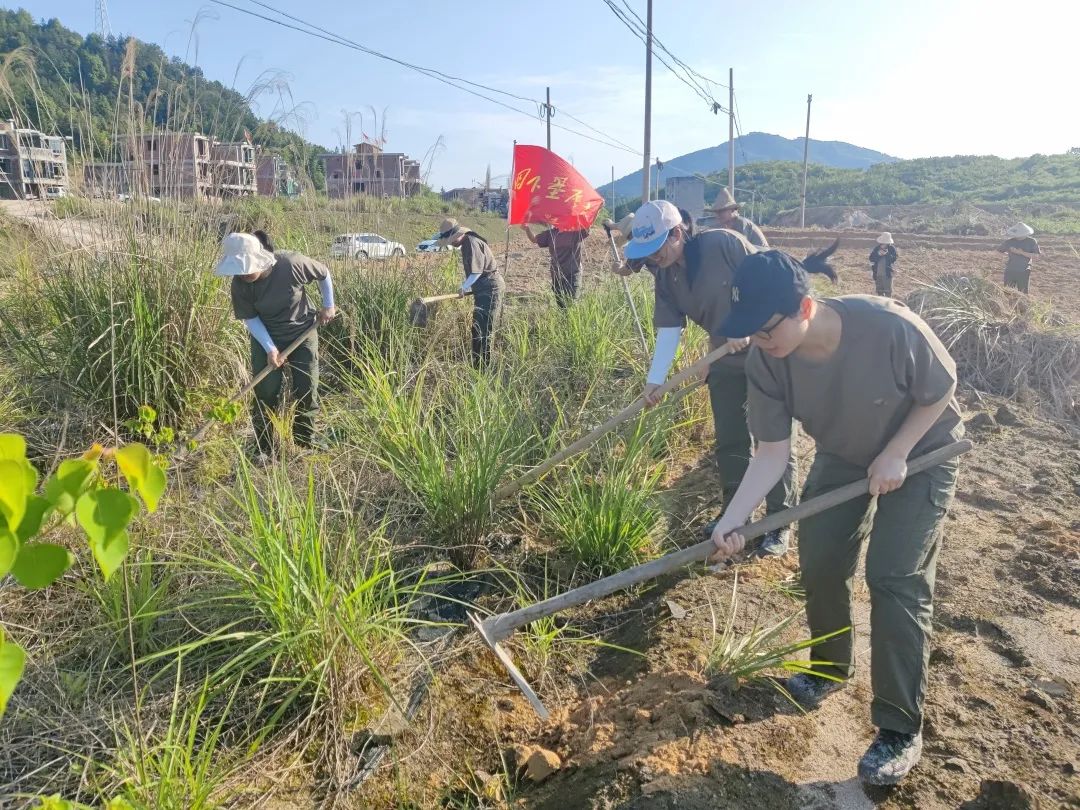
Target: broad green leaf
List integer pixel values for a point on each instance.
(142, 474)
(118, 803)
(36, 509)
(15, 488)
(9, 549)
(12, 447)
(12, 661)
(39, 565)
(71, 480)
(110, 553)
(104, 515)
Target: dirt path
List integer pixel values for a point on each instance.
(72, 231)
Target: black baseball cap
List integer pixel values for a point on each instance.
(765, 284)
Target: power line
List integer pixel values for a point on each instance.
(666, 50)
(313, 30)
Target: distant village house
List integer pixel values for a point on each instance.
(369, 171)
(32, 164)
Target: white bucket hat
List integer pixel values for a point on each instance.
(243, 255)
(1019, 231)
(885, 239)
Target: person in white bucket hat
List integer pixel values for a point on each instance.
(1021, 246)
(882, 259)
(268, 296)
(693, 274)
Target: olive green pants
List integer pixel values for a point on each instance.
(904, 528)
(303, 365)
(1018, 279)
(727, 396)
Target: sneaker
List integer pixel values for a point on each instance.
(809, 690)
(890, 757)
(773, 544)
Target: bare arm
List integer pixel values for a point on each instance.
(889, 470)
(765, 469)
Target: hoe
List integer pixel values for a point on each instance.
(496, 629)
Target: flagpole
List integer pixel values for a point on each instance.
(509, 206)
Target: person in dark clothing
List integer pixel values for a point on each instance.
(1021, 246)
(565, 248)
(482, 279)
(882, 259)
(268, 295)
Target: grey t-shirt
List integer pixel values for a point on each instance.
(476, 256)
(1019, 264)
(751, 231)
(279, 299)
(853, 403)
(565, 248)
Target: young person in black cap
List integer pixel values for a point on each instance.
(873, 385)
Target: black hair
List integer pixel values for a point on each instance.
(818, 262)
(687, 223)
(264, 240)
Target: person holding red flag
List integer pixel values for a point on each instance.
(565, 248)
(549, 190)
(693, 275)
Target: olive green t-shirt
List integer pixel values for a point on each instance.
(853, 403)
(476, 256)
(701, 289)
(279, 299)
(1019, 264)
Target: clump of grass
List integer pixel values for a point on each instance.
(124, 329)
(605, 520)
(734, 658)
(448, 439)
(1004, 342)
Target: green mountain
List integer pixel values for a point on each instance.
(90, 89)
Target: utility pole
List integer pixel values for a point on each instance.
(648, 103)
(659, 168)
(731, 132)
(805, 160)
(547, 118)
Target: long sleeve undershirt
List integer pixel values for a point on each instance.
(258, 331)
(667, 344)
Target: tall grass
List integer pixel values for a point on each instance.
(448, 438)
(605, 520)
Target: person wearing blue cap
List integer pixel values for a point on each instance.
(873, 386)
(693, 274)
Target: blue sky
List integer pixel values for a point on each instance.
(913, 79)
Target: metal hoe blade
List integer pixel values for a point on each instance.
(511, 668)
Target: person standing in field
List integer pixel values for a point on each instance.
(873, 386)
(882, 259)
(1021, 246)
(482, 279)
(565, 248)
(728, 216)
(268, 295)
(693, 281)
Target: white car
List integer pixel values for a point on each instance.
(433, 246)
(364, 246)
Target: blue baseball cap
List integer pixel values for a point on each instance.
(765, 284)
(652, 223)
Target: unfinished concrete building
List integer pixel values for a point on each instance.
(32, 164)
(232, 169)
(370, 171)
(275, 178)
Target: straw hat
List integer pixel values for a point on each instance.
(724, 201)
(449, 230)
(1019, 231)
(243, 255)
(885, 239)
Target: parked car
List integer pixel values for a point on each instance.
(364, 246)
(55, 192)
(433, 246)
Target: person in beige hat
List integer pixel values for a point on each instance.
(1021, 246)
(882, 259)
(728, 216)
(268, 296)
(482, 280)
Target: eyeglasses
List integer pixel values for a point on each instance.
(766, 332)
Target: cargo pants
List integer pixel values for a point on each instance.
(1018, 279)
(904, 528)
(727, 396)
(303, 365)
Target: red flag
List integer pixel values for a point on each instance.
(548, 191)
